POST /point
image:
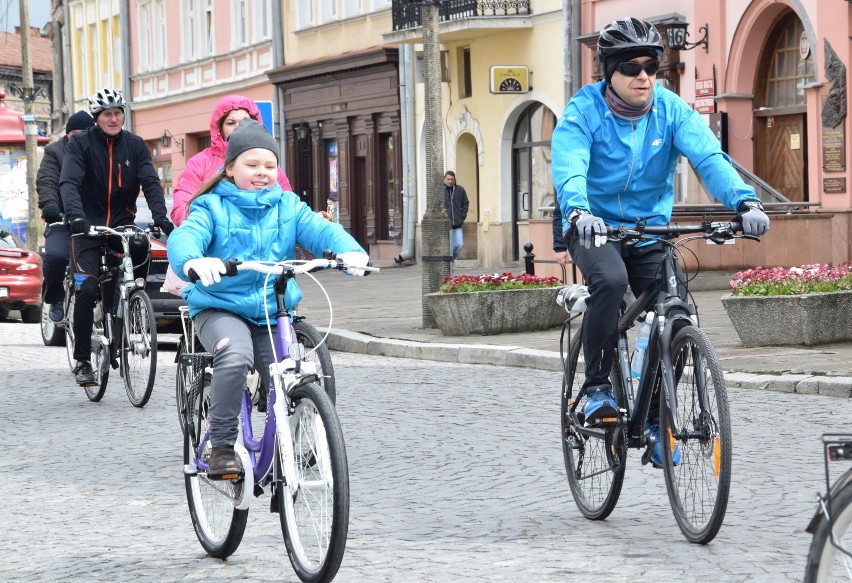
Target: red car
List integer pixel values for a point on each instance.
(20, 278)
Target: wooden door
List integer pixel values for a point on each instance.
(782, 154)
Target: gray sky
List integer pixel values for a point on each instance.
(10, 13)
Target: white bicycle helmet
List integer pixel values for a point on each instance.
(105, 99)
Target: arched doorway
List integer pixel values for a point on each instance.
(780, 123)
(532, 178)
(467, 175)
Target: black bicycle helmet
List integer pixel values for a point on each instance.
(630, 34)
(105, 99)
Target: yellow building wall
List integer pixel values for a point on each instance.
(335, 38)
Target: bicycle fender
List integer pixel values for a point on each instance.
(242, 503)
(844, 481)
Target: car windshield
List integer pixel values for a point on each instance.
(143, 213)
(8, 239)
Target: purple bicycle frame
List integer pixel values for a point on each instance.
(260, 450)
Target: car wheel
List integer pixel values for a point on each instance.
(31, 315)
(4, 312)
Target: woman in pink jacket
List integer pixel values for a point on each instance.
(227, 114)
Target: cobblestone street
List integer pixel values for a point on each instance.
(456, 475)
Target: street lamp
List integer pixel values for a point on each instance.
(166, 141)
(302, 130)
(676, 35)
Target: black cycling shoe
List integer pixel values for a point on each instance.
(224, 464)
(83, 373)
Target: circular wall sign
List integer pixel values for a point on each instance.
(804, 46)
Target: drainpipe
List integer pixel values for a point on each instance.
(409, 161)
(66, 59)
(124, 26)
(278, 61)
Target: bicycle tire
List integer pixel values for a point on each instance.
(315, 541)
(699, 485)
(100, 362)
(69, 331)
(826, 562)
(139, 349)
(218, 524)
(595, 466)
(310, 338)
(52, 333)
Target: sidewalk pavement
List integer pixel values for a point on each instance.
(382, 315)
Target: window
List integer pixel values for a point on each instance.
(159, 26)
(465, 85)
(262, 12)
(146, 50)
(208, 28)
(189, 41)
(241, 23)
(788, 72)
(305, 13)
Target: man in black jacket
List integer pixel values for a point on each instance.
(102, 173)
(56, 242)
(456, 205)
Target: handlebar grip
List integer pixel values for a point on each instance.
(193, 277)
(230, 270)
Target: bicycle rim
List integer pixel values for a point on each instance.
(218, 525)
(315, 518)
(826, 562)
(595, 466)
(139, 349)
(310, 338)
(100, 365)
(698, 486)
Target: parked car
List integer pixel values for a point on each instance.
(20, 278)
(166, 306)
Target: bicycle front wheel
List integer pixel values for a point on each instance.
(310, 338)
(218, 524)
(315, 510)
(825, 561)
(139, 349)
(595, 466)
(698, 432)
(99, 359)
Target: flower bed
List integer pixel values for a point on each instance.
(496, 304)
(811, 304)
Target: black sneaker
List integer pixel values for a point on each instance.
(224, 464)
(56, 312)
(83, 373)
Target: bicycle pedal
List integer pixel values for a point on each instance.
(231, 476)
(113, 364)
(603, 422)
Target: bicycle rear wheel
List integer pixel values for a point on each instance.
(99, 360)
(218, 524)
(700, 427)
(825, 561)
(310, 338)
(315, 516)
(139, 349)
(595, 466)
(52, 333)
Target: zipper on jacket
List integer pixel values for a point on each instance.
(632, 166)
(109, 183)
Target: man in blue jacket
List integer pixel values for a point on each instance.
(614, 154)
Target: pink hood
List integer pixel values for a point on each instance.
(207, 162)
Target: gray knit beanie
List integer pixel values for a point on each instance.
(247, 135)
(79, 121)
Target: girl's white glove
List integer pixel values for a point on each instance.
(354, 259)
(208, 269)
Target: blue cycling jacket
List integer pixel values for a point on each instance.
(622, 170)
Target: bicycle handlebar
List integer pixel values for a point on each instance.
(125, 232)
(715, 231)
(296, 266)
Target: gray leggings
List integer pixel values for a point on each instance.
(236, 346)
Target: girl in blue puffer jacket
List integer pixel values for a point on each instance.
(243, 214)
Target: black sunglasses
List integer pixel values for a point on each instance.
(632, 68)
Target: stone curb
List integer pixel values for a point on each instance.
(359, 343)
